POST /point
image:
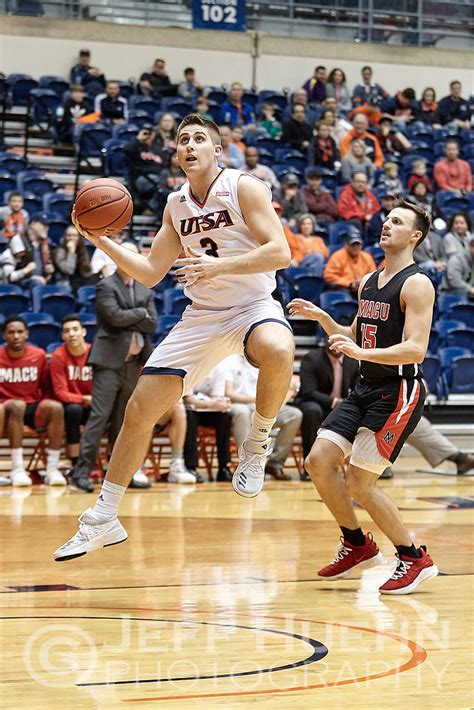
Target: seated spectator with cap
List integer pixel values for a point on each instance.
(26, 398)
(371, 110)
(297, 132)
(112, 107)
(359, 131)
(401, 107)
(13, 218)
(356, 201)
(347, 266)
(85, 74)
(319, 201)
(356, 161)
(234, 111)
(73, 264)
(392, 141)
(71, 378)
(368, 89)
(453, 110)
(17, 265)
(37, 243)
(291, 199)
(451, 173)
(374, 227)
(262, 172)
(322, 150)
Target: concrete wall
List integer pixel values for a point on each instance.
(45, 46)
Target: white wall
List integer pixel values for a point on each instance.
(44, 46)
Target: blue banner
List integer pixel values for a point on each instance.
(219, 15)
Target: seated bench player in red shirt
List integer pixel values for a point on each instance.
(25, 396)
(71, 378)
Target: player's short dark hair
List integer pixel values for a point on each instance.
(13, 319)
(70, 317)
(193, 119)
(188, 70)
(409, 94)
(422, 219)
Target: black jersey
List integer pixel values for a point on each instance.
(380, 324)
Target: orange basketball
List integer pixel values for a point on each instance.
(103, 206)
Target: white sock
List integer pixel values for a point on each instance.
(176, 455)
(261, 428)
(52, 459)
(17, 459)
(106, 505)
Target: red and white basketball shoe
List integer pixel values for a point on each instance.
(409, 573)
(349, 557)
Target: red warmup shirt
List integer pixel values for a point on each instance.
(71, 377)
(26, 377)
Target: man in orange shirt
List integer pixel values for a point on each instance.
(347, 266)
(356, 201)
(451, 173)
(360, 132)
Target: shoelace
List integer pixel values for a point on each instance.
(342, 551)
(402, 568)
(253, 466)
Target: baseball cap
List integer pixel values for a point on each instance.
(387, 193)
(354, 237)
(40, 217)
(291, 179)
(314, 172)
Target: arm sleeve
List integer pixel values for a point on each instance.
(110, 312)
(60, 382)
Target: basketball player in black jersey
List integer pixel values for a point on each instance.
(389, 337)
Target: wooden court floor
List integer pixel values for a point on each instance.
(213, 602)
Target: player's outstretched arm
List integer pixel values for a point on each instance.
(306, 309)
(147, 270)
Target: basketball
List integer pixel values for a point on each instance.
(103, 206)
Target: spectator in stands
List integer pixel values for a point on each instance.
(240, 379)
(237, 138)
(75, 107)
(390, 179)
(430, 254)
(112, 107)
(165, 135)
(17, 264)
(25, 394)
(418, 174)
(356, 201)
(458, 235)
(326, 378)
(235, 111)
(453, 110)
(401, 108)
(392, 142)
(296, 131)
(451, 173)
(426, 110)
(13, 218)
(306, 242)
(459, 276)
(371, 110)
(300, 97)
(291, 199)
(368, 89)
(145, 161)
(71, 378)
(176, 421)
(156, 83)
(269, 121)
(203, 408)
(72, 261)
(36, 242)
(420, 196)
(374, 228)
(231, 156)
(202, 108)
(171, 180)
(126, 314)
(359, 131)
(316, 86)
(263, 172)
(347, 266)
(101, 263)
(356, 161)
(190, 88)
(336, 88)
(85, 74)
(318, 200)
(339, 127)
(322, 150)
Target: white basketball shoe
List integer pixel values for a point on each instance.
(91, 536)
(249, 475)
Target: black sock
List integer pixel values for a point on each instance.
(355, 537)
(74, 460)
(408, 551)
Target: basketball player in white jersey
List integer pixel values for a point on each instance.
(233, 241)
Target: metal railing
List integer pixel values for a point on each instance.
(416, 22)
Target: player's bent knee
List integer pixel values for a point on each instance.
(15, 408)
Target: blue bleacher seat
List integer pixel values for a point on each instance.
(13, 303)
(43, 106)
(461, 338)
(377, 253)
(126, 90)
(446, 300)
(176, 105)
(329, 298)
(448, 354)
(37, 184)
(56, 228)
(53, 346)
(270, 144)
(146, 104)
(308, 287)
(89, 321)
(58, 202)
(463, 312)
(314, 263)
(20, 89)
(444, 325)
(431, 371)
(217, 95)
(39, 292)
(85, 294)
(12, 164)
(274, 97)
(163, 327)
(32, 318)
(11, 288)
(460, 379)
(32, 204)
(343, 311)
(54, 83)
(159, 299)
(138, 118)
(282, 169)
(91, 139)
(125, 132)
(58, 305)
(115, 160)
(7, 185)
(434, 341)
(42, 334)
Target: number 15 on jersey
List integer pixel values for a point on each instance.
(369, 336)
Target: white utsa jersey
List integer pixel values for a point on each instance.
(216, 227)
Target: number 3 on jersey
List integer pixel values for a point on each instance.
(208, 242)
(369, 336)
